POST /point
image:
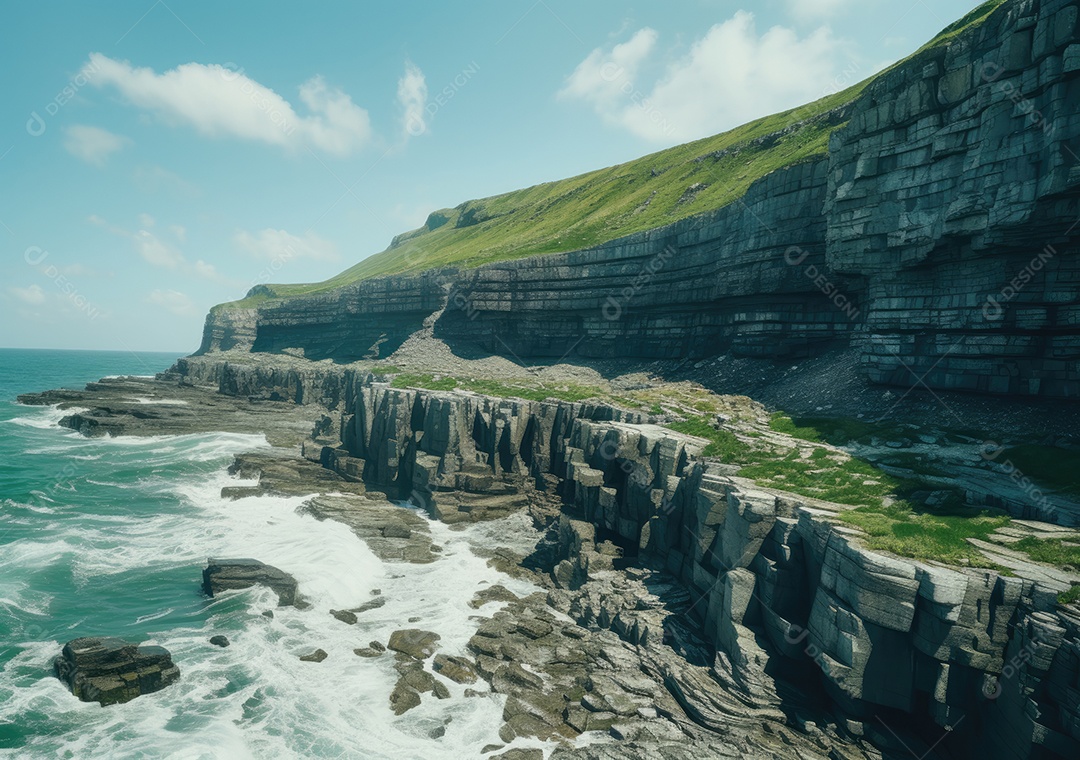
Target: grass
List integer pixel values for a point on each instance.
(824, 476)
(534, 392)
(722, 443)
(1052, 551)
(600, 206)
(922, 534)
(1069, 597)
(781, 423)
(1057, 468)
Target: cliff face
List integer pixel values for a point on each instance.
(786, 596)
(937, 236)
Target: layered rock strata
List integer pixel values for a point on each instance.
(937, 236)
(785, 598)
(111, 671)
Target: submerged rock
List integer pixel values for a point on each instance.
(228, 574)
(112, 671)
(345, 616)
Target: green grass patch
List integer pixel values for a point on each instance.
(838, 431)
(781, 423)
(1055, 467)
(537, 392)
(429, 382)
(852, 481)
(1072, 596)
(1052, 551)
(722, 443)
(940, 535)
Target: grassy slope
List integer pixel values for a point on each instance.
(602, 205)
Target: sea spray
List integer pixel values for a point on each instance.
(120, 552)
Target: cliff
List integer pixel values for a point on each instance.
(787, 596)
(936, 236)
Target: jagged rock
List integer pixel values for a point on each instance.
(403, 698)
(373, 649)
(521, 754)
(495, 593)
(457, 669)
(229, 574)
(317, 656)
(345, 616)
(414, 643)
(111, 671)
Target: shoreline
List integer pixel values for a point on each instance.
(615, 616)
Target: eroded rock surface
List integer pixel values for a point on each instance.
(232, 574)
(111, 671)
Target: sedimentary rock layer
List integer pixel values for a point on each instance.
(777, 586)
(938, 236)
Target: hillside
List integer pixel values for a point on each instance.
(603, 205)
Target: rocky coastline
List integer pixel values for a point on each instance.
(685, 611)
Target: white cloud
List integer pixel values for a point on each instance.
(150, 247)
(145, 220)
(173, 301)
(32, 295)
(179, 232)
(412, 95)
(206, 271)
(221, 101)
(92, 144)
(155, 251)
(602, 77)
(279, 245)
(730, 76)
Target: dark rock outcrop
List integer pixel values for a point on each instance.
(111, 671)
(231, 574)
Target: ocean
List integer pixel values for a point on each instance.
(108, 537)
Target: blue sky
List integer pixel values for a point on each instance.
(161, 158)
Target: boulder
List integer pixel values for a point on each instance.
(219, 641)
(112, 671)
(414, 642)
(317, 656)
(228, 574)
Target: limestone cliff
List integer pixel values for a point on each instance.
(785, 594)
(937, 236)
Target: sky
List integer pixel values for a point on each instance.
(158, 158)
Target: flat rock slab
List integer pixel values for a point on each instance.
(229, 574)
(111, 671)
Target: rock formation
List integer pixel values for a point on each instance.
(936, 237)
(111, 671)
(231, 574)
(775, 584)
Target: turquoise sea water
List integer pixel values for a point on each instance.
(108, 537)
